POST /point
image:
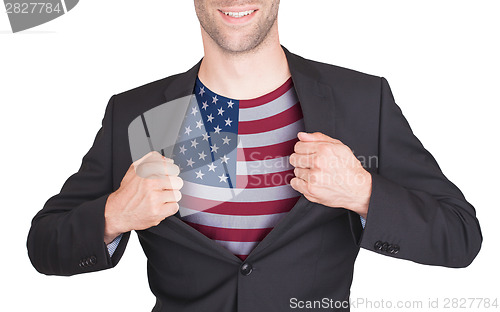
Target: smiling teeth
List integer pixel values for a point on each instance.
(239, 14)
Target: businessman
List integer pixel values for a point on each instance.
(292, 137)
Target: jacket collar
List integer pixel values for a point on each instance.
(315, 96)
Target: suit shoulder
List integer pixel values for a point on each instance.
(351, 88)
(342, 75)
(130, 104)
(149, 91)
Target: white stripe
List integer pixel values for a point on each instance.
(63, 4)
(231, 221)
(238, 248)
(238, 194)
(272, 137)
(263, 166)
(272, 108)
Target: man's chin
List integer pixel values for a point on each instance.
(238, 46)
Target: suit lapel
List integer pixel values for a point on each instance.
(316, 98)
(182, 84)
(318, 108)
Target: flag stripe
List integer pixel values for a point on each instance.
(287, 85)
(266, 152)
(234, 235)
(243, 248)
(264, 166)
(280, 135)
(238, 208)
(264, 180)
(272, 108)
(282, 119)
(231, 221)
(237, 194)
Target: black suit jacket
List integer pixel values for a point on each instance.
(415, 212)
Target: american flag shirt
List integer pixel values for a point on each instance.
(234, 160)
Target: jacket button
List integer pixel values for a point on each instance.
(390, 249)
(378, 245)
(384, 246)
(83, 263)
(93, 260)
(396, 249)
(246, 269)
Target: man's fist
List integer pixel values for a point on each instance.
(327, 172)
(148, 193)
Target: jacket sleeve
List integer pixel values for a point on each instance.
(415, 212)
(67, 236)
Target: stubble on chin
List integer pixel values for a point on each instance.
(247, 44)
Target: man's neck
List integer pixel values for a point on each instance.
(245, 75)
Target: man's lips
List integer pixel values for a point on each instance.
(237, 16)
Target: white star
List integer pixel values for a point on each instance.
(223, 178)
(199, 124)
(205, 136)
(202, 91)
(210, 117)
(188, 130)
(183, 150)
(221, 111)
(217, 129)
(202, 155)
(228, 122)
(211, 167)
(205, 105)
(199, 174)
(194, 110)
(230, 104)
(214, 148)
(226, 140)
(194, 143)
(224, 159)
(190, 162)
(215, 99)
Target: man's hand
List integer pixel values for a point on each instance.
(327, 172)
(148, 193)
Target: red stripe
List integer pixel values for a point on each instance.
(238, 208)
(285, 118)
(267, 152)
(232, 235)
(271, 96)
(264, 180)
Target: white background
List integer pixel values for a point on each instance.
(440, 58)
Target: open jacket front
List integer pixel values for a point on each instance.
(415, 212)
